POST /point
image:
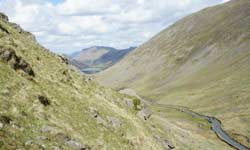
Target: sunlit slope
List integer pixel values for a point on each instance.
(202, 61)
(47, 104)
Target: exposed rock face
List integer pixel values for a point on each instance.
(16, 62)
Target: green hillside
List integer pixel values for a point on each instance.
(201, 62)
(47, 104)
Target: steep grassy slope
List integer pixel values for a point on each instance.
(47, 104)
(202, 61)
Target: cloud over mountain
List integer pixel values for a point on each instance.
(73, 24)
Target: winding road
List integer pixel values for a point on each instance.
(216, 127)
(216, 123)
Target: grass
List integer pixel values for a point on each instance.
(201, 62)
(70, 95)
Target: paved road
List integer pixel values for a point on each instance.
(216, 123)
(216, 126)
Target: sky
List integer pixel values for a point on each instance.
(66, 26)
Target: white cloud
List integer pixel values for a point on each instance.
(76, 24)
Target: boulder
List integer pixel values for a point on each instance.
(115, 122)
(77, 145)
(145, 113)
(129, 103)
(44, 100)
(167, 144)
(96, 115)
(28, 143)
(62, 137)
(7, 54)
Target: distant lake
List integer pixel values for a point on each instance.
(91, 70)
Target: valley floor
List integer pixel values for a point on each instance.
(183, 126)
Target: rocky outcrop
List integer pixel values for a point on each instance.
(64, 59)
(3, 29)
(44, 100)
(3, 17)
(17, 63)
(17, 27)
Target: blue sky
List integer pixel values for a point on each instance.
(56, 1)
(65, 26)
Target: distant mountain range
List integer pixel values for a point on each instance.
(97, 58)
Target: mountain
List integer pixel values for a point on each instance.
(45, 103)
(98, 58)
(88, 55)
(200, 62)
